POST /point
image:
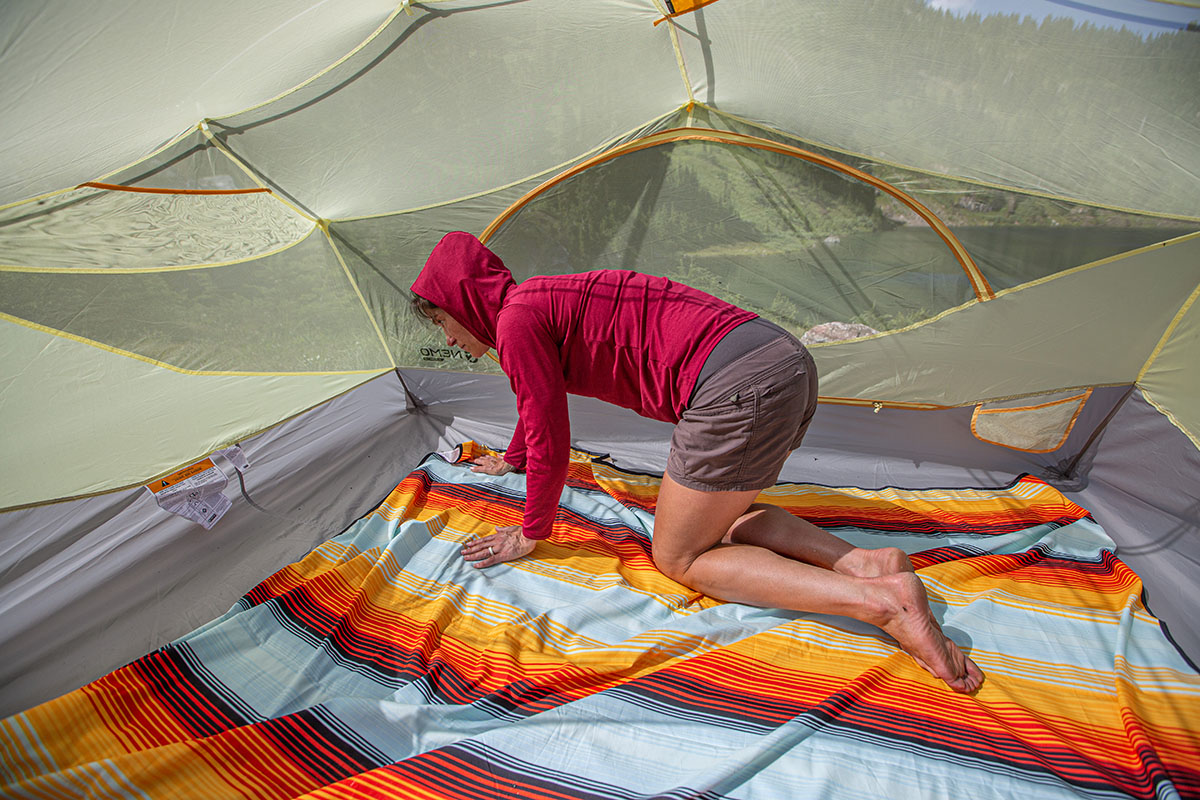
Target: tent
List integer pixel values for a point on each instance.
(985, 216)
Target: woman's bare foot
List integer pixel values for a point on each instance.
(908, 619)
(862, 562)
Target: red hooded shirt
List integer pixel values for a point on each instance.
(631, 339)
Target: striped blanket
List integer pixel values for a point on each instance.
(382, 665)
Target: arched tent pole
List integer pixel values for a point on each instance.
(983, 290)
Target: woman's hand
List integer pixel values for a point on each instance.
(506, 544)
(491, 465)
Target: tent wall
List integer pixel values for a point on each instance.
(91, 584)
(1141, 485)
(893, 80)
(1098, 324)
(92, 419)
(394, 126)
(847, 444)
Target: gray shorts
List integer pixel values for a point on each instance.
(745, 419)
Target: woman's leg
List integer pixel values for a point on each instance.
(701, 539)
(772, 527)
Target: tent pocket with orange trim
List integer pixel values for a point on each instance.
(1039, 428)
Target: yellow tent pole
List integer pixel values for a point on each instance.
(687, 82)
(972, 181)
(983, 290)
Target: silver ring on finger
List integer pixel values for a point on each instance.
(492, 550)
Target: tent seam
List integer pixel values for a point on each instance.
(1162, 342)
(374, 34)
(404, 6)
(1097, 263)
(152, 270)
(1194, 439)
(47, 195)
(181, 370)
(324, 224)
(1183, 3)
(221, 146)
(1167, 335)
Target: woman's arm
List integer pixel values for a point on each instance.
(517, 452)
(529, 356)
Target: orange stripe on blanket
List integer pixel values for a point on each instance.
(1059, 582)
(869, 693)
(375, 620)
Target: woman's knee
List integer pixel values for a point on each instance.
(671, 563)
(675, 562)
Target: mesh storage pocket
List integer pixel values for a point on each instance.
(1033, 427)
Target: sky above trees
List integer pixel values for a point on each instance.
(1146, 17)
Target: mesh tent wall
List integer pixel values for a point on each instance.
(209, 217)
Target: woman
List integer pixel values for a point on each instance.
(741, 393)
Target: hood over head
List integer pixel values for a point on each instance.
(467, 281)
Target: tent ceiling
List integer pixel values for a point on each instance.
(1040, 102)
(995, 98)
(383, 120)
(87, 87)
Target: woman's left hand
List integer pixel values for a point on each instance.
(506, 544)
(491, 465)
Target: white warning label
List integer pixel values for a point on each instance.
(195, 492)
